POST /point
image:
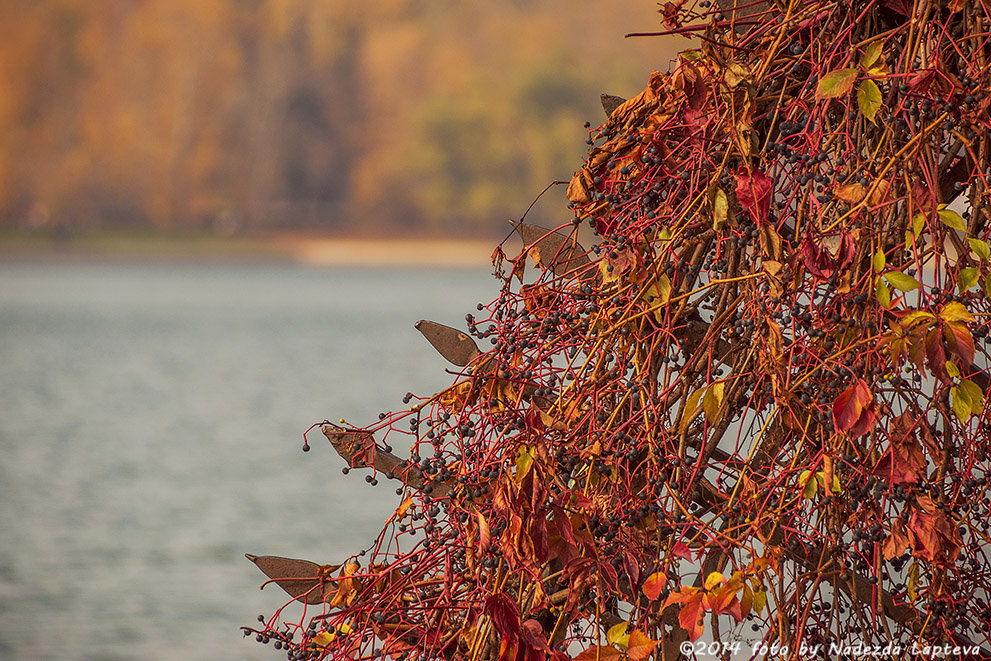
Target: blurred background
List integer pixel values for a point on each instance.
(347, 117)
(162, 350)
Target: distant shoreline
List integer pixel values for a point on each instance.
(317, 251)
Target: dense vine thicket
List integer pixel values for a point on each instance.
(753, 411)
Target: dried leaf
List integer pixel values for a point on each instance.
(301, 579)
(610, 102)
(850, 193)
(450, 343)
(559, 253)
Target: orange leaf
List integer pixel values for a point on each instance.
(690, 617)
(599, 653)
(640, 646)
(652, 586)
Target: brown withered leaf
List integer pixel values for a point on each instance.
(554, 251)
(451, 343)
(897, 541)
(301, 579)
(610, 102)
(880, 192)
(359, 450)
(850, 193)
(933, 537)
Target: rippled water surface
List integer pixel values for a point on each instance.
(150, 435)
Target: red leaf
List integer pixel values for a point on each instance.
(903, 7)
(533, 635)
(921, 81)
(936, 355)
(632, 567)
(681, 550)
(897, 541)
(959, 341)
(753, 190)
(853, 409)
(505, 615)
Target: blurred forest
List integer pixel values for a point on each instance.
(426, 116)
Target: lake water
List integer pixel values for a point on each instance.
(150, 435)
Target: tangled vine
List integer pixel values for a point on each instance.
(755, 410)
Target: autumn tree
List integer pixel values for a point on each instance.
(751, 415)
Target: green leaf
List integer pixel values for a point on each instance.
(952, 219)
(960, 403)
(902, 282)
(918, 223)
(836, 83)
(966, 279)
(869, 99)
(952, 369)
(871, 54)
(882, 293)
(879, 261)
(980, 248)
(987, 286)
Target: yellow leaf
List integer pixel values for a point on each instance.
(980, 248)
(617, 635)
(966, 279)
(713, 399)
(871, 54)
(713, 580)
(960, 403)
(691, 408)
(720, 209)
(880, 261)
(952, 219)
(955, 312)
(882, 293)
(523, 462)
(901, 281)
(913, 580)
(869, 99)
